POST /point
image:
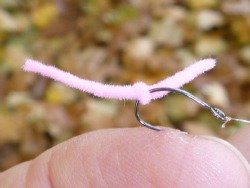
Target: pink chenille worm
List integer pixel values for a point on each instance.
(138, 91)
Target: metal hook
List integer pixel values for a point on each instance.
(219, 114)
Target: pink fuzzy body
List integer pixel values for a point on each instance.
(138, 91)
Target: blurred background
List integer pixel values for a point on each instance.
(117, 42)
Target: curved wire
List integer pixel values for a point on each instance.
(219, 114)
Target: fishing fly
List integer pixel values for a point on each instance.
(140, 91)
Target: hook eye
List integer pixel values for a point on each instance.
(219, 114)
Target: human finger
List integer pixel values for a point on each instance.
(137, 157)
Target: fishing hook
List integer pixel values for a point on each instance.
(216, 112)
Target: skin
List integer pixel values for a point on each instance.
(138, 157)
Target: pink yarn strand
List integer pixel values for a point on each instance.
(138, 91)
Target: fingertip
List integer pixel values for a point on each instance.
(221, 162)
